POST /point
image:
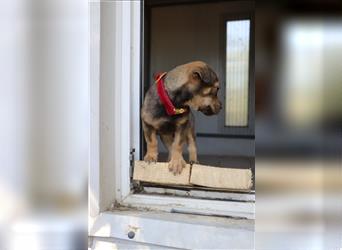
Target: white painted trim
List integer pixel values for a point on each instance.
(114, 27)
(110, 101)
(94, 96)
(166, 230)
(106, 243)
(136, 81)
(191, 205)
(127, 91)
(124, 85)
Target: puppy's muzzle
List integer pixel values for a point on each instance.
(211, 109)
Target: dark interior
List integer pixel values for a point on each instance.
(177, 32)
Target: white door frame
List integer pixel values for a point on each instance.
(115, 35)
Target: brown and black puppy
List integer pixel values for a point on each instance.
(193, 85)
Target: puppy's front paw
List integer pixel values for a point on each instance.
(176, 165)
(150, 157)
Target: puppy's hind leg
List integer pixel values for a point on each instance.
(152, 143)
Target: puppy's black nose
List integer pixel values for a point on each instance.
(221, 105)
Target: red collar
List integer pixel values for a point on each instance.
(164, 97)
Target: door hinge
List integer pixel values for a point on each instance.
(131, 154)
(131, 158)
(131, 166)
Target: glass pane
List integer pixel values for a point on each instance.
(237, 73)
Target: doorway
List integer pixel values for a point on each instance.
(177, 32)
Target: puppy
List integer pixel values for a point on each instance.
(190, 86)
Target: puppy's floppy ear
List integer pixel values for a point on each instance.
(205, 74)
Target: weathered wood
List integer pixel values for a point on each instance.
(229, 178)
(201, 175)
(159, 173)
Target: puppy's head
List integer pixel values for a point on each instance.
(197, 86)
(206, 86)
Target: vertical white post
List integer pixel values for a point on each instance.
(136, 68)
(124, 88)
(94, 96)
(115, 94)
(127, 88)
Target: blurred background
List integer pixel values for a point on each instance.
(45, 124)
(298, 124)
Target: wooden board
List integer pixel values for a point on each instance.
(228, 178)
(200, 175)
(159, 173)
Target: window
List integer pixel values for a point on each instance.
(237, 74)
